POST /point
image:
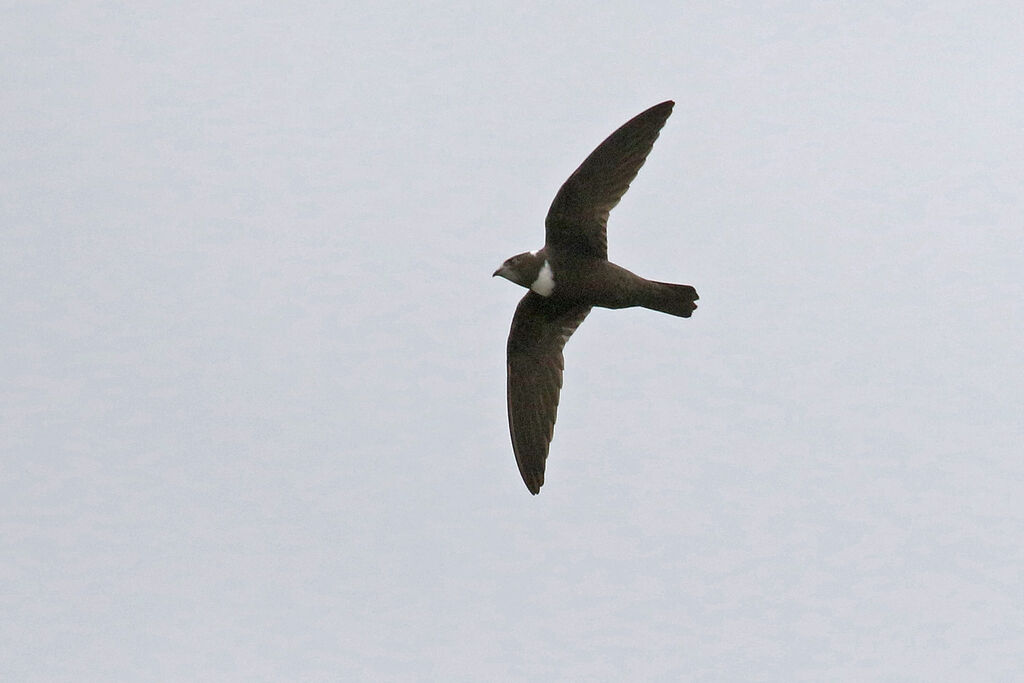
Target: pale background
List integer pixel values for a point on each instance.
(252, 414)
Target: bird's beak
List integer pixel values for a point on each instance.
(499, 271)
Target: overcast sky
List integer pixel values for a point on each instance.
(252, 418)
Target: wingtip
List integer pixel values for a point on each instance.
(533, 482)
(660, 110)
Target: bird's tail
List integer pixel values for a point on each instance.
(672, 299)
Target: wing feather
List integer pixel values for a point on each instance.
(540, 329)
(578, 218)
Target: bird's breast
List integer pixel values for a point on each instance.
(545, 282)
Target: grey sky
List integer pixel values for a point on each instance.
(253, 425)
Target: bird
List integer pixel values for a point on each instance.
(570, 275)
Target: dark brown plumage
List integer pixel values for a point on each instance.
(569, 276)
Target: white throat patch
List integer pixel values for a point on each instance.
(545, 282)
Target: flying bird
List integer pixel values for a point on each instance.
(568, 277)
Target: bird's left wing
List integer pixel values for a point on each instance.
(539, 331)
(577, 220)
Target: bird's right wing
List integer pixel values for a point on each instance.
(539, 331)
(578, 218)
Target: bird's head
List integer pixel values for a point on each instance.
(522, 269)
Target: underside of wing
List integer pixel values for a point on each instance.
(578, 217)
(539, 331)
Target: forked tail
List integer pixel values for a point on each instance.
(672, 299)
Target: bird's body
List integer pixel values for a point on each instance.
(568, 277)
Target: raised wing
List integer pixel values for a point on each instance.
(539, 331)
(577, 220)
